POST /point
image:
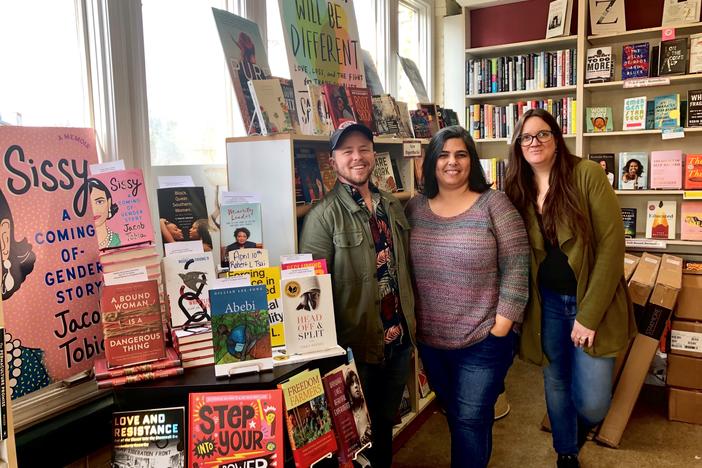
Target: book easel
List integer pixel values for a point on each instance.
(255, 366)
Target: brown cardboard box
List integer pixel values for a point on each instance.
(684, 371)
(690, 297)
(627, 391)
(644, 277)
(685, 405)
(630, 262)
(686, 338)
(668, 282)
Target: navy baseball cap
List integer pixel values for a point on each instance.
(344, 130)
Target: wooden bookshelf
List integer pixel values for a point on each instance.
(639, 133)
(519, 48)
(619, 84)
(529, 93)
(643, 34)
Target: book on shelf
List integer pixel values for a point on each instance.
(237, 429)
(319, 265)
(635, 60)
(405, 405)
(347, 437)
(559, 15)
(286, 85)
(339, 104)
(400, 181)
(179, 209)
(246, 60)
(102, 371)
(599, 119)
(607, 17)
(132, 323)
(119, 200)
(272, 109)
(140, 377)
(693, 172)
(406, 130)
(633, 170)
(383, 175)
(420, 123)
(673, 57)
(654, 65)
(326, 169)
(192, 334)
(606, 161)
(241, 331)
(650, 114)
(422, 380)
(599, 66)
(634, 113)
(691, 220)
(362, 102)
(198, 361)
(387, 122)
(629, 219)
(307, 169)
(667, 111)
(680, 12)
(319, 120)
(149, 437)
(240, 228)
(660, 219)
(695, 53)
(666, 169)
(187, 277)
(308, 308)
(430, 110)
(694, 108)
(307, 417)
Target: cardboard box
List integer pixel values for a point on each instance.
(690, 297)
(685, 405)
(686, 338)
(627, 390)
(651, 319)
(630, 263)
(644, 277)
(684, 371)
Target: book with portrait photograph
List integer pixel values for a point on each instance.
(633, 170)
(339, 104)
(347, 438)
(606, 161)
(240, 228)
(308, 308)
(182, 213)
(188, 277)
(307, 169)
(356, 400)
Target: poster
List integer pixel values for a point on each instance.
(50, 271)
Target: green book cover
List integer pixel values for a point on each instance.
(598, 119)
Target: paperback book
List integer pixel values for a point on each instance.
(558, 16)
(667, 169)
(326, 170)
(140, 377)
(694, 108)
(633, 171)
(420, 123)
(152, 437)
(635, 60)
(240, 228)
(308, 418)
(307, 169)
(691, 220)
(599, 66)
(241, 332)
(667, 111)
(606, 161)
(629, 219)
(356, 399)
(634, 113)
(271, 106)
(339, 104)
(319, 265)
(347, 438)
(673, 57)
(695, 53)
(405, 121)
(599, 119)
(288, 89)
(693, 172)
(362, 103)
(120, 209)
(387, 121)
(383, 176)
(132, 325)
(188, 277)
(236, 429)
(660, 219)
(180, 211)
(430, 111)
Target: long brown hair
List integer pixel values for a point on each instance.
(562, 201)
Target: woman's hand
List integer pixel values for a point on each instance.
(582, 337)
(502, 326)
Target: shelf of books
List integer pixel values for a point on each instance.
(516, 48)
(554, 91)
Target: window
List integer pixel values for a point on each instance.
(190, 98)
(413, 28)
(277, 53)
(44, 78)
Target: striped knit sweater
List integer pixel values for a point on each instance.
(467, 268)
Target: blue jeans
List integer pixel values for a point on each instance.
(467, 382)
(578, 386)
(383, 385)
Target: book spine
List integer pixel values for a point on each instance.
(3, 386)
(139, 369)
(155, 375)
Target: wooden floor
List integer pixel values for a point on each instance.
(650, 439)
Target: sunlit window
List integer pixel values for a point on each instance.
(43, 79)
(409, 46)
(191, 106)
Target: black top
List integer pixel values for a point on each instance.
(554, 272)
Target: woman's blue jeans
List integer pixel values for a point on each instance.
(467, 382)
(578, 386)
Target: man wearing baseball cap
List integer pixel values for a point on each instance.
(362, 232)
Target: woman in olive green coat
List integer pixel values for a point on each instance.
(579, 313)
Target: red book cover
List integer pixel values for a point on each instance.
(237, 429)
(319, 265)
(132, 325)
(141, 377)
(339, 104)
(693, 172)
(342, 417)
(362, 103)
(103, 372)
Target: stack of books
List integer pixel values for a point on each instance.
(194, 346)
(114, 377)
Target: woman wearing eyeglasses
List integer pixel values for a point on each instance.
(579, 313)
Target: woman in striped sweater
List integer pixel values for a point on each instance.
(469, 253)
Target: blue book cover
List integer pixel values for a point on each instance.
(635, 60)
(667, 111)
(240, 327)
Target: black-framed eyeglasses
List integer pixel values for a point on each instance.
(543, 136)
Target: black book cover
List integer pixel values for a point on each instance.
(655, 57)
(152, 437)
(673, 57)
(694, 108)
(629, 219)
(606, 161)
(180, 211)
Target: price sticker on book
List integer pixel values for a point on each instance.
(667, 34)
(412, 148)
(672, 133)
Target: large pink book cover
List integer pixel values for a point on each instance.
(50, 269)
(667, 169)
(691, 220)
(120, 209)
